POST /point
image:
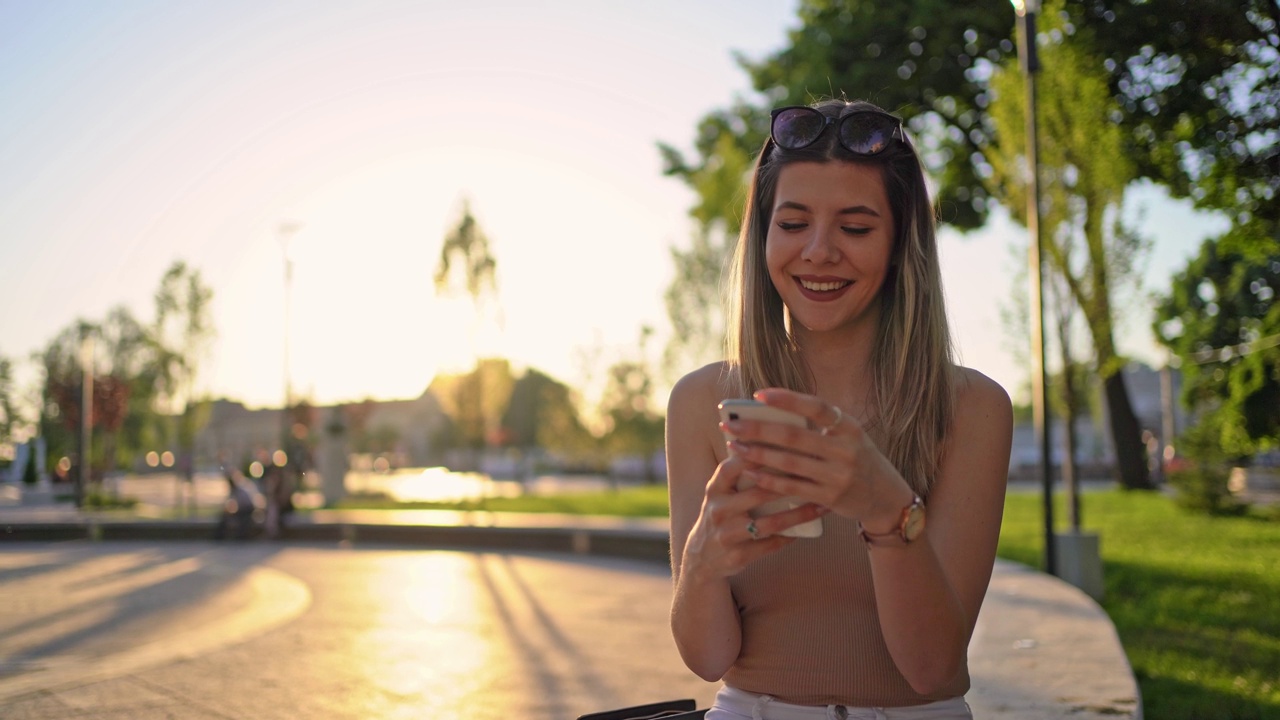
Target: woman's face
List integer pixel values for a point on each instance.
(829, 243)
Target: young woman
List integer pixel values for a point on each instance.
(838, 317)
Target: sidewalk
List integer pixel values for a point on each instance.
(1042, 648)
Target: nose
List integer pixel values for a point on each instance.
(820, 247)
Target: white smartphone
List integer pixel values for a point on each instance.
(734, 409)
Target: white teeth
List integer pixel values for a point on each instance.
(822, 287)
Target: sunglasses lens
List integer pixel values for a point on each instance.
(867, 133)
(795, 128)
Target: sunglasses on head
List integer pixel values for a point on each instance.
(861, 132)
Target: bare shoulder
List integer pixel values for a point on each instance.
(981, 429)
(978, 397)
(692, 420)
(696, 391)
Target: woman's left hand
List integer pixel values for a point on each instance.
(835, 464)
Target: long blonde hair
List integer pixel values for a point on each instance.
(913, 359)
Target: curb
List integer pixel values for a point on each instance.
(623, 543)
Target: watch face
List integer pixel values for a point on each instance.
(914, 523)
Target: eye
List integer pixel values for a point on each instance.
(792, 226)
(855, 230)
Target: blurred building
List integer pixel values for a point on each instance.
(1155, 403)
(403, 431)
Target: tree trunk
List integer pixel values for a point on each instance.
(1070, 480)
(1126, 436)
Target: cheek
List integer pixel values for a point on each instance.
(774, 255)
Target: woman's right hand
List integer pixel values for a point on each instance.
(721, 543)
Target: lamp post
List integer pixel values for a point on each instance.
(1026, 10)
(84, 476)
(286, 232)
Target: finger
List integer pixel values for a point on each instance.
(776, 523)
(744, 501)
(812, 407)
(756, 549)
(823, 416)
(779, 435)
(788, 486)
(784, 462)
(725, 479)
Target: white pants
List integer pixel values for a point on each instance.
(734, 704)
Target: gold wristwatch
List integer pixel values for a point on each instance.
(910, 525)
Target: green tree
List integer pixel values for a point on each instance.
(467, 263)
(64, 364)
(467, 246)
(916, 58)
(1198, 84)
(693, 303)
(128, 353)
(356, 416)
(926, 60)
(542, 414)
(1084, 172)
(181, 336)
(60, 391)
(1221, 320)
(1193, 87)
(636, 426)
(143, 375)
(469, 400)
(9, 415)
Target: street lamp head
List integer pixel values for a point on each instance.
(1022, 7)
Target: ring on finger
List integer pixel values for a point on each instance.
(826, 429)
(752, 530)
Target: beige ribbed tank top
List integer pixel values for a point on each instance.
(810, 634)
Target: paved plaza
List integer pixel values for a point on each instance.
(195, 629)
(192, 630)
(424, 614)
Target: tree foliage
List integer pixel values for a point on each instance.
(636, 427)
(1184, 92)
(9, 414)
(1221, 319)
(144, 375)
(466, 252)
(182, 334)
(1196, 85)
(694, 303)
(542, 414)
(475, 403)
(1083, 172)
(467, 262)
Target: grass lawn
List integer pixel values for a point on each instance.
(1195, 599)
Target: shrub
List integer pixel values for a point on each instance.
(98, 500)
(1203, 488)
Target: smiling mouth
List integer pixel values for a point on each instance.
(827, 286)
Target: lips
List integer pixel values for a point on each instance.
(823, 289)
(822, 286)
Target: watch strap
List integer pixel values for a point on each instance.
(897, 536)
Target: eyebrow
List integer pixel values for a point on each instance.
(852, 210)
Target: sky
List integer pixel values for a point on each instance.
(230, 134)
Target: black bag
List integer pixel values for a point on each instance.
(669, 710)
